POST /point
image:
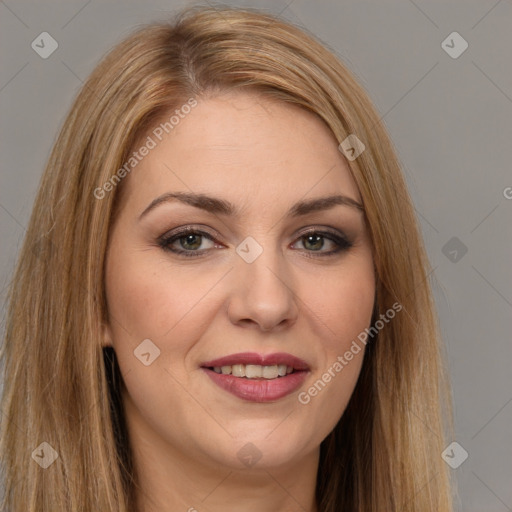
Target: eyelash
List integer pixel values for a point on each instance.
(166, 240)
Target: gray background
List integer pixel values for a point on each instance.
(451, 121)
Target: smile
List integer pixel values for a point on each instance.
(257, 378)
(254, 371)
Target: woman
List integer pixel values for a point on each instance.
(222, 297)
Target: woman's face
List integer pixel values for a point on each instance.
(248, 290)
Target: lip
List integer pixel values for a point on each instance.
(258, 359)
(258, 390)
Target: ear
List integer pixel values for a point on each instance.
(106, 336)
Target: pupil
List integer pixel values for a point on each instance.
(189, 240)
(318, 239)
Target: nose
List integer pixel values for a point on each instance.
(262, 293)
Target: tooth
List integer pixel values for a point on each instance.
(238, 370)
(253, 371)
(270, 372)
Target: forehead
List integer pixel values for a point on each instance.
(243, 147)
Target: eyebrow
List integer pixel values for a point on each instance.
(223, 207)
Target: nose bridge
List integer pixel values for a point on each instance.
(263, 288)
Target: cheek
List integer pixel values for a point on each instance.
(150, 299)
(352, 307)
(344, 309)
(343, 303)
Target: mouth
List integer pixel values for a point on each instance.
(256, 377)
(254, 371)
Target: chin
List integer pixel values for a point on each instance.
(262, 450)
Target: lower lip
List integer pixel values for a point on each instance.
(258, 390)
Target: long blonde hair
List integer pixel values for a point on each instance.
(61, 387)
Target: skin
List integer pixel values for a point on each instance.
(185, 431)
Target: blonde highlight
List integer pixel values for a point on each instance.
(62, 386)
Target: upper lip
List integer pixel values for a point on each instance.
(258, 359)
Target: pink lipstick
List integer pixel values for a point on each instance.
(257, 377)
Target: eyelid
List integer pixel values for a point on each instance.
(337, 236)
(323, 230)
(196, 228)
(184, 230)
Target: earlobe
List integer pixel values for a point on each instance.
(106, 336)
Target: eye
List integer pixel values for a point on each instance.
(186, 242)
(189, 241)
(314, 241)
